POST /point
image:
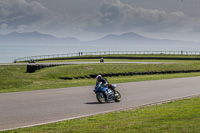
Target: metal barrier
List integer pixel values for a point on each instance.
(40, 57)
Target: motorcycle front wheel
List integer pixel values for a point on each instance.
(101, 98)
(117, 96)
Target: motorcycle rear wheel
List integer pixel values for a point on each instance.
(101, 98)
(117, 96)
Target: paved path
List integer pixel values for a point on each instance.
(23, 109)
(57, 63)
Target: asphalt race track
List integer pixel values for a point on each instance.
(23, 109)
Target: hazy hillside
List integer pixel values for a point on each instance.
(136, 39)
(111, 39)
(34, 38)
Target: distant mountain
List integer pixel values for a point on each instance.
(124, 37)
(34, 38)
(132, 38)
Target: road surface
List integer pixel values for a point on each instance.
(71, 63)
(22, 109)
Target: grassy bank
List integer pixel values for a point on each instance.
(15, 78)
(179, 117)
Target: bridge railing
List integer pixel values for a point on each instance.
(40, 57)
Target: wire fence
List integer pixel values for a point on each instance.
(41, 57)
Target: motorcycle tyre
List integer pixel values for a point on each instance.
(101, 99)
(117, 99)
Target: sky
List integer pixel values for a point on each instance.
(93, 19)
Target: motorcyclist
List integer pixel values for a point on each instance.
(105, 82)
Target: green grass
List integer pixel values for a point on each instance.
(181, 116)
(15, 78)
(87, 69)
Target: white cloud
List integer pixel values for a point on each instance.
(22, 28)
(4, 26)
(116, 16)
(18, 13)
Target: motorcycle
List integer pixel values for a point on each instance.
(103, 93)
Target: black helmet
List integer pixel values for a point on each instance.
(99, 77)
